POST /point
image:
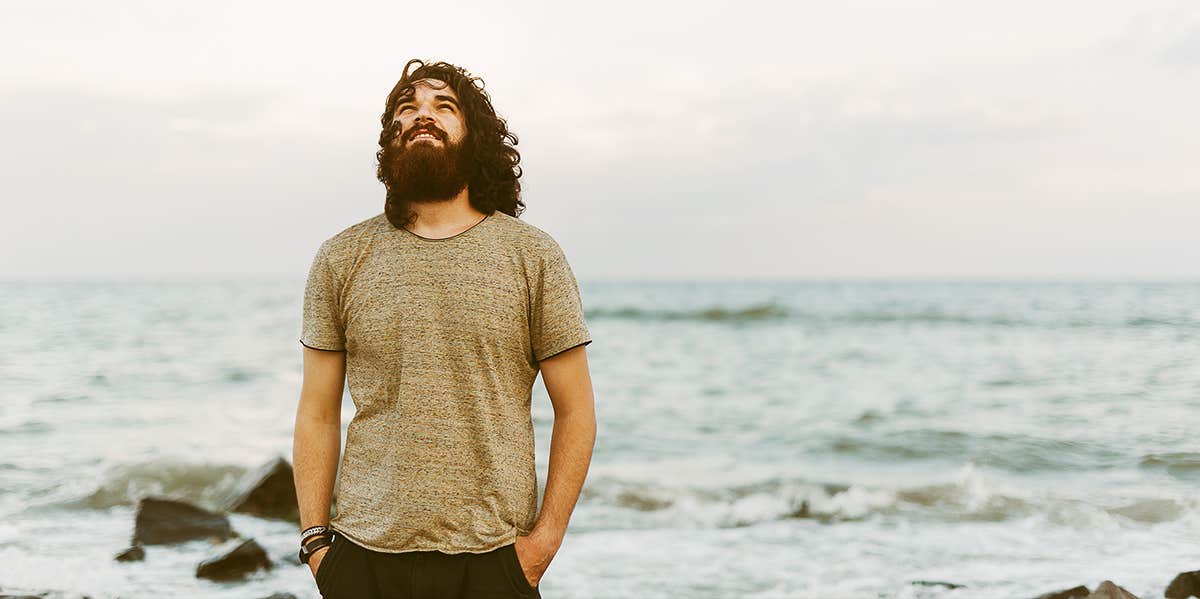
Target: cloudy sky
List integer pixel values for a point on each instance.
(955, 139)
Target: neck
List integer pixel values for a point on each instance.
(438, 219)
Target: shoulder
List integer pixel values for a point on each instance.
(525, 236)
(350, 238)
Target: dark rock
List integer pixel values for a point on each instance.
(1109, 590)
(935, 583)
(269, 492)
(15, 594)
(235, 563)
(281, 596)
(802, 511)
(1072, 593)
(162, 521)
(134, 554)
(1186, 584)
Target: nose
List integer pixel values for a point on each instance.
(424, 120)
(425, 111)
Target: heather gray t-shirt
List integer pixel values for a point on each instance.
(442, 340)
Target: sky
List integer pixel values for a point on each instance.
(659, 140)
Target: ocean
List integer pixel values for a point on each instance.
(820, 439)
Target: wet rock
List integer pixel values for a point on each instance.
(134, 554)
(235, 563)
(1109, 590)
(15, 594)
(269, 492)
(1186, 584)
(163, 521)
(937, 583)
(802, 511)
(1078, 592)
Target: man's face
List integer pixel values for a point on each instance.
(425, 162)
(430, 116)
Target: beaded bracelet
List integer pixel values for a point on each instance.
(312, 531)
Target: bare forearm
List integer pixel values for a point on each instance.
(571, 445)
(315, 451)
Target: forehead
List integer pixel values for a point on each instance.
(427, 88)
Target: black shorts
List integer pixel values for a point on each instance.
(350, 571)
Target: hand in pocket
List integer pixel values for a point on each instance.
(534, 553)
(314, 562)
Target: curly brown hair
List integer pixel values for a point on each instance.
(493, 180)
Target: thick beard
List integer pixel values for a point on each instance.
(422, 173)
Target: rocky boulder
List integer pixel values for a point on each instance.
(1078, 592)
(1185, 584)
(1109, 590)
(269, 492)
(235, 562)
(163, 521)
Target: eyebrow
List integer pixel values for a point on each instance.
(440, 97)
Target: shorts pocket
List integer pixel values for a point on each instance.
(515, 572)
(328, 562)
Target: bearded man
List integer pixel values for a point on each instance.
(440, 312)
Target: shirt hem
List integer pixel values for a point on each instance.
(319, 348)
(508, 540)
(555, 352)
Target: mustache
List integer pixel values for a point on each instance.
(438, 133)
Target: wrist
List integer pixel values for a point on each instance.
(314, 544)
(547, 535)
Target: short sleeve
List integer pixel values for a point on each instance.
(556, 310)
(322, 326)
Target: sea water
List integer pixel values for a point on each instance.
(755, 439)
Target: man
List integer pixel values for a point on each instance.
(440, 312)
